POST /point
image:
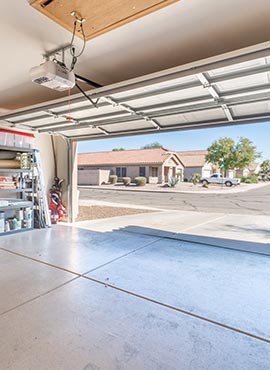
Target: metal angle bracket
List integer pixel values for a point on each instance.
(61, 50)
(227, 112)
(102, 130)
(218, 100)
(132, 111)
(52, 114)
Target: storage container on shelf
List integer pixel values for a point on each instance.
(24, 139)
(29, 141)
(7, 137)
(16, 139)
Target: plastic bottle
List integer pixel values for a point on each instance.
(7, 227)
(28, 218)
(2, 222)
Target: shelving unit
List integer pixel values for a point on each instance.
(18, 206)
(15, 190)
(23, 199)
(15, 149)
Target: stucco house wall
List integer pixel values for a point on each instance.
(134, 171)
(93, 177)
(170, 168)
(90, 174)
(128, 163)
(91, 168)
(254, 168)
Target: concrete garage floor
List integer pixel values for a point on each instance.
(80, 299)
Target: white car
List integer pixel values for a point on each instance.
(217, 178)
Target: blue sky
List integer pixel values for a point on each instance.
(187, 140)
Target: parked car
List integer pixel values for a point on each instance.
(217, 178)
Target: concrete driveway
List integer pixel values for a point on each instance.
(241, 232)
(73, 298)
(239, 221)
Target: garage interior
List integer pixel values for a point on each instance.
(128, 298)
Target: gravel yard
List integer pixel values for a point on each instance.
(95, 212)
(181, 187)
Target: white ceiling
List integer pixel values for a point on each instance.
(186, 31)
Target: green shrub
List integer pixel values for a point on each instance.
(195, 178)
(264, 177)
(140, 181)
(173, 181)
(126, 181)
(242, 178)
(113, 179)
(252, 179)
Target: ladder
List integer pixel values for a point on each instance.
(42, 202)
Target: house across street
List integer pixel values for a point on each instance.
(157, 165)
(194, 162)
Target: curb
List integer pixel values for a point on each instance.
(206, 191)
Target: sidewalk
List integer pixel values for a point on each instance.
(180, 188)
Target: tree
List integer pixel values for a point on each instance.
(265, 167)
(118, 149)
(245, 153)
(152, 145)
(230, 155)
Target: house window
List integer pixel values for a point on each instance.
(154, 172)
(124, 172)
(121, 171)
(142, 171)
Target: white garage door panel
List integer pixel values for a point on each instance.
(170, 97)
(204, 115)
(81, 131)
(137, 125)
(251, 64)
(243, 82)
(251, 108)
(226, 90)
(93, 112)
(153, 87)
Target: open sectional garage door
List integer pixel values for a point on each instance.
(227, 90)
(230, 89)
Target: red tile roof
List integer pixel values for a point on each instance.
(193, 158)
(125, 157)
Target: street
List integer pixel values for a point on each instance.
(252, 202)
